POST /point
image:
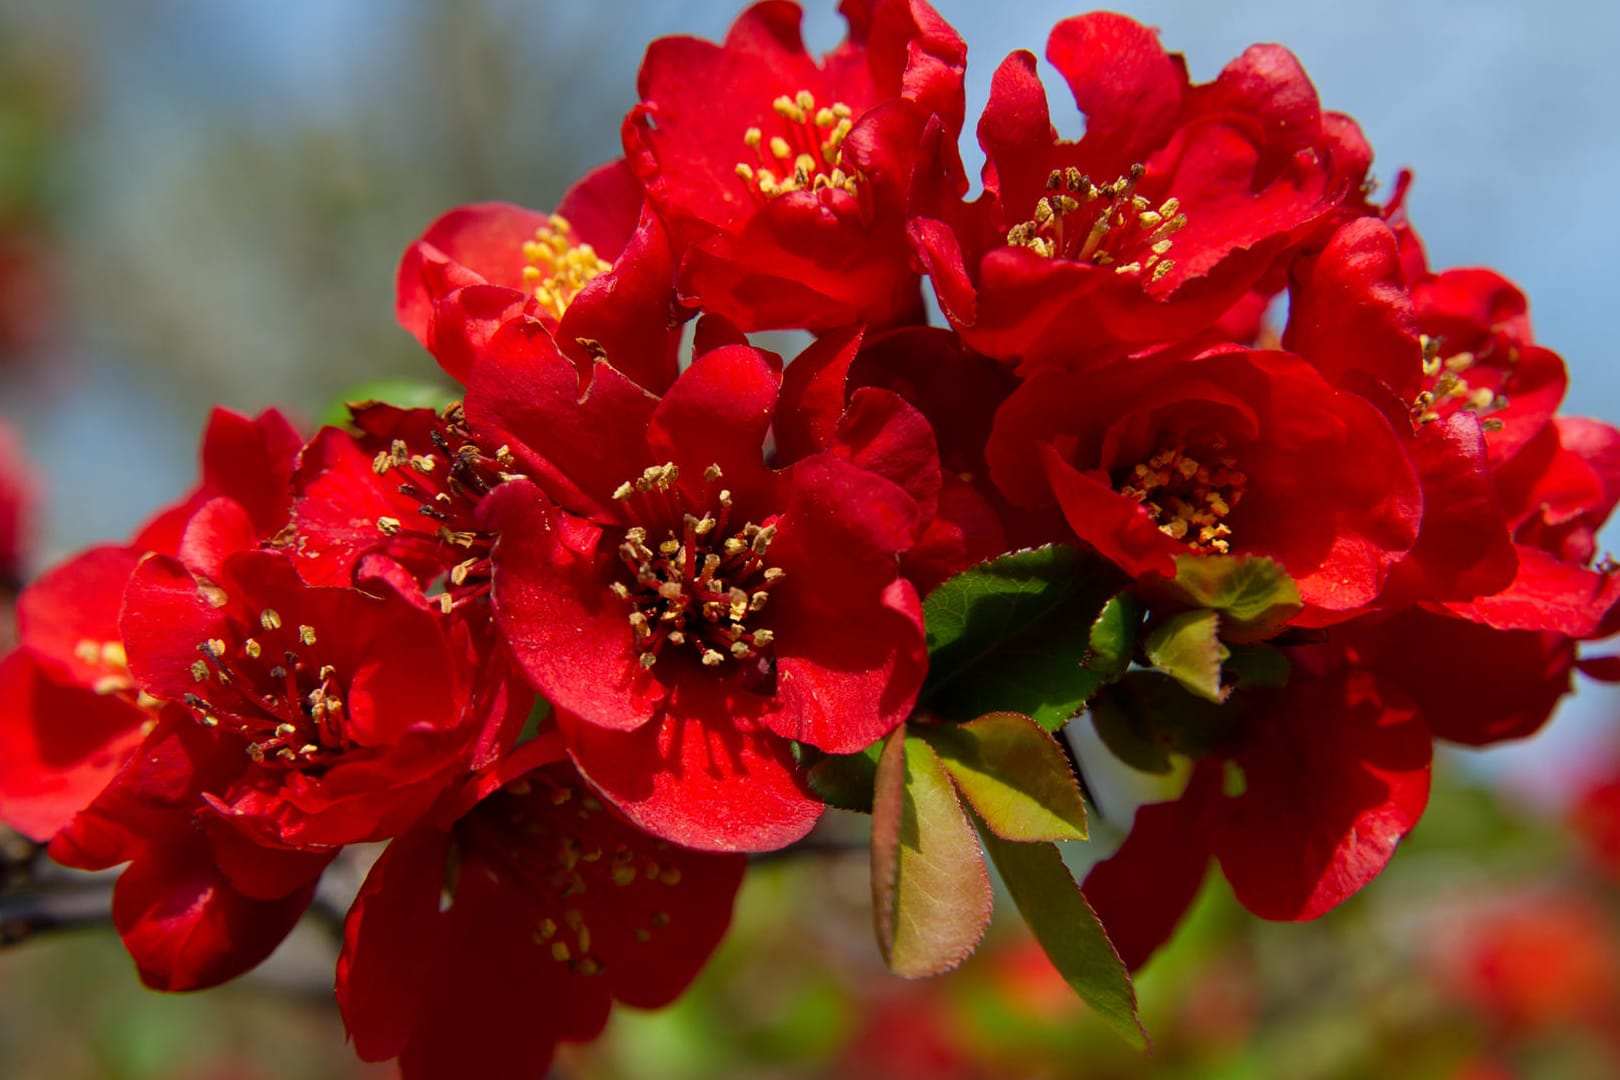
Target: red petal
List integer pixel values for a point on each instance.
(1142, 890)
(1335, 774)
(1121, 78)
(563, 625)
(704, 774)
(59, 746)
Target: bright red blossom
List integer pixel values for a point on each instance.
(1228, 450)
(476, 950)
(688, 609)
(1177, 202)
(597, 273)
(784, 181)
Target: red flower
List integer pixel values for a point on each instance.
(688, 610)
(473, 952)
(1305, 805)
(784, 182)
(1557, 491)
(957, 391)
(1175, 204)
(406, 487)
(1222, 451)
(299, 719)
(71, 662)
(1354, 318)
(598, 273)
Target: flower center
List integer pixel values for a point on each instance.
(694, 581)
(270, 688)
(557, 267)
(1188, 499)
(1462, 381)
(805, 152)
(551, 843)
(445, 479)
(1109, 225)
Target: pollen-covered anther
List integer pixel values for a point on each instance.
(1449, 387)
(806, 152)
(1188, 499)
(1106, 225)
(704, 582)
(557, 267)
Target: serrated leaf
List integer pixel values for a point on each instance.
(1147, 716)
(1254, 593)
(1258, 665)
(846, 780)
(1014, 775)
(1068, 930)
(1011, 634)
(931, 895)
(1187, 647)
(1113, 636)
(405, 393)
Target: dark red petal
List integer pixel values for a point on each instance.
(1472, 684)
(565, 628)
(391, 939)
(1463, 548)
(1142, 890)
(814, 395)
(705, 774)
(1016, 133)
(73, 602)
(1351, 315)
(717, 413)
(1334, 775)
(842, 684)
(184, 925)
(219, 528)
(580, 441)
(1121, 78)
(884, 434)
(59, 746)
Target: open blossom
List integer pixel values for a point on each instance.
(69, 711)
(1221, 451)
(1177, 202)
(784, 181)
(555, 908)
(1301, 802)
(597, 273)
(688, 609)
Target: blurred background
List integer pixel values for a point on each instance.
(203, 202)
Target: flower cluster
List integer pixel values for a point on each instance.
(574, 642)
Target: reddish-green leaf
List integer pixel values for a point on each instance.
(1254, 594)
(845, 780)
(931, 894)
(1113, 636)
(1014, 775)
(1066, 927)
(1187, 647)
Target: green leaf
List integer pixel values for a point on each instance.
(1113, 636)
(1010, 635)
(405, 393)
(846, 780)
(1067, 929)
(1258, 665)
(931, 894)
(1188, 648)
(1147, 716)
(1014, 775)
(1255, 594)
